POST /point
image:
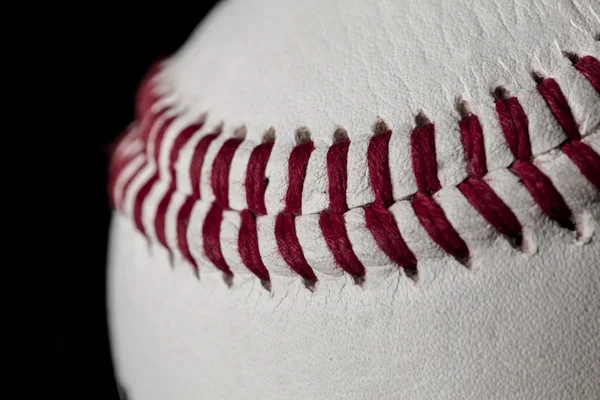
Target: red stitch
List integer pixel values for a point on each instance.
(121, 201)
(146, 127)
(424, 162)
(337, 173)
(144, 191)
(379, 220)
(182, 138)
(382, 225)
(580, 153)
(211, 242)
(559, 107)
(146, 96)
(160, 135)
(379, 168)
(298, 163)
(428, 212)
(117, 167)
(138, 203)
(219, 178)
(434, 221)
(477, 192)
(514, 124)
(481, 196)
(590, 68)
(256, 182)
(248, 246)
(586, 159)
(333, 227)
(543, 192)
(148, 124)
(183, 220)
(161, 210)
(471, 135)
(117, 163)
(515, 127)
(332, 222)
(290, 249)
(118, 160)
(195, 170)
(161, 214)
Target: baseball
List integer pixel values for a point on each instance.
(350, 199)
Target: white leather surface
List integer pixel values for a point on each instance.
(515, 326)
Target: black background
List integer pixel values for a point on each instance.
(69, 98)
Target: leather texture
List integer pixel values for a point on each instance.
(514, 325)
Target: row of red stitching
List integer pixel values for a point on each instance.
(379, 220)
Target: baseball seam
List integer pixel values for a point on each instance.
(207, 228)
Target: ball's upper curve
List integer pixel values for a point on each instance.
(321, 64)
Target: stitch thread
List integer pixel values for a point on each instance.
(472, 140)
(181, 140)
(183, 220)
(161, 215)
(477, 192)
(220, 171)
(118, 161)
(195, 169)
(334, 231)
(543, 192)
(433, 219)
(211, 243)
(337, 173)
(379, 171)
(147, 187)
(422, 143)
(121, 201)
(382, 225)
(256, 182)
(585, 159)
(514, 124)
(290, 249)
(379, 220)
(161, 211)
(146, 96)
(487, 203)
(516, 131)
(298, 163)
(139, 203)
(559, 107)
(331, 222)
(145, 130)
(429, 213)
(248, 246)
(580, 153)
(590, 68)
